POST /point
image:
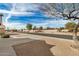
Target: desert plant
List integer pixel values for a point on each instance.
(40, 28)
(60, 29)
(5, 36)
(70, 26)
(34, 28)
(47, 28)
(29, 27)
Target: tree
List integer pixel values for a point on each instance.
(65, 11)
(34, 28)
(60, 29)
(70, 26)
(29, 27)
(40, 28)
(48, 28)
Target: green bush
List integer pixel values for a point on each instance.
(29, 26)
(60, 29)
(70, 29)
(5, 36)
(70, 26)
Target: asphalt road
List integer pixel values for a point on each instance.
(54, 35)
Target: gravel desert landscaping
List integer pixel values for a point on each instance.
(23, 44)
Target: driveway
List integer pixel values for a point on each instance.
(6, 45)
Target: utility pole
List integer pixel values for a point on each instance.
(1, 15)
(2, 27)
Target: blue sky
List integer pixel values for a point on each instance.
(18, 15)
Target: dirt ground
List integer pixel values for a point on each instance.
(33, 48)
(48, 48)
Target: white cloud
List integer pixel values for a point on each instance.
(44, 24)
(57, 21)
(22, 7)
(15, 12)
(15, 25)
(51, 22)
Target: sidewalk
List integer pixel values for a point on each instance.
(6, 46)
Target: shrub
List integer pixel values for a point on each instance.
(70, 26)
(5, 36)
(29, 26)
(60, 29)
(70, 30)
